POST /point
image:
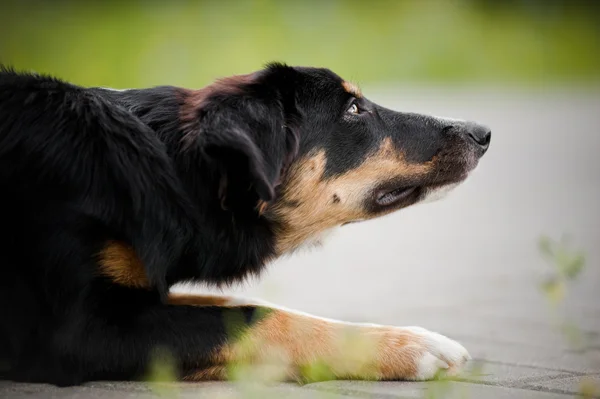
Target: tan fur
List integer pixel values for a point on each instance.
(119, 262)
(198, 300)
(216, 373)
(311, 204)
(292, 341)
(262, 207)
(352, 89)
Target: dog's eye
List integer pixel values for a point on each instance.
(353, 109)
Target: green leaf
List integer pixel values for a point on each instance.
(545, 246)
(575, 266)
(554, 290)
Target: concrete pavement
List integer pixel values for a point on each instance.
(467, 267)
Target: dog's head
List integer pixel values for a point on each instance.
(307, 151)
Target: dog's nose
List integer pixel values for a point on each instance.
(480, 135)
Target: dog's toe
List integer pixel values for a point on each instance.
(440, 354)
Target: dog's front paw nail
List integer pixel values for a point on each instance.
(440, 354)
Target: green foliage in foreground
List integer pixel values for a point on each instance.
(566, 266)
(189, 43)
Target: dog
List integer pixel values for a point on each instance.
(110, 197)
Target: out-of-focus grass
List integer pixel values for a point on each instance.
(567, 265)
(162, 373)
(189, 43)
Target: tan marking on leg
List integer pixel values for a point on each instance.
(352, 89)
(198, 300)
(349, 351)
(216, 373)
(310, 203)
(120, 263)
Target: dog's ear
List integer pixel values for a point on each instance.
(240, 160)
(245, 125)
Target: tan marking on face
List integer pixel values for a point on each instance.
(310, 204)
(352, 89)
(120, 263)
(291, 341)
(197, 300)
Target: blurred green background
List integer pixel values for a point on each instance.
(189, 43)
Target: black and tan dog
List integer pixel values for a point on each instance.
(111, 197)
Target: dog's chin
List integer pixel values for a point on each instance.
(439, 190)
(386, 201)
(404, 198)
(459, 172)
(436, 193)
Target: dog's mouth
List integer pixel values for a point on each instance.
(395, 196)
(386, 198)
(389, 197)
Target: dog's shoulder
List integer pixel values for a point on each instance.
(46, 105)
(13, 82)
(66, 144)
(29, 99)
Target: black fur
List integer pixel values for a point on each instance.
(175, 174)
(80, 167)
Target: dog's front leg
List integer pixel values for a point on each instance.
(293, 341)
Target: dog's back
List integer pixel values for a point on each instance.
(76, 171)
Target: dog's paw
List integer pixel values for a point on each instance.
(437, 354)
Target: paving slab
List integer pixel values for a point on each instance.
(574, 384)
(506, 374)
(9, 389)
(211, 390)
(523, 355)
(445, 390)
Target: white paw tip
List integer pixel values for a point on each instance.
(441, 353)
(428, 366)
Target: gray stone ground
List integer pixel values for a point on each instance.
(467, 267)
